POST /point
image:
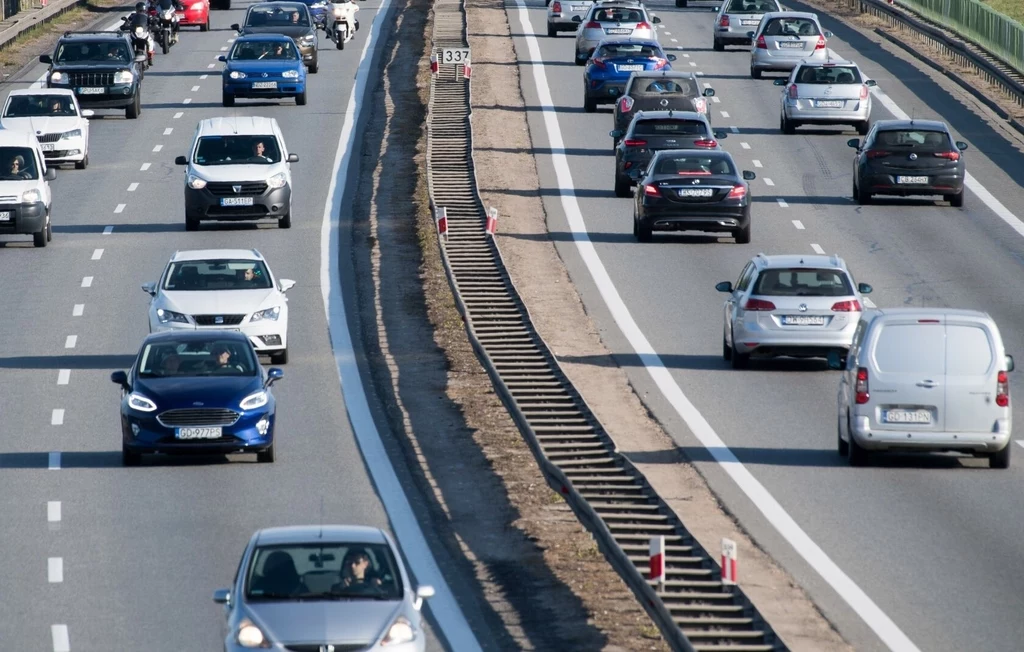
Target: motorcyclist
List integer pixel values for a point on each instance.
(163, 5)
(140, 18)
(343, 11)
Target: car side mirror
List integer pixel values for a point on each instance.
(864, 288)
(721, 135)
(423, 592)
(88, 113)
(180, 160)
(750, 35)
(834, 360)
(274, 375)
(1009, 362)
(748, 175)
(222, 596)
(655, 19)
(149, 288)
(45, 58)
(235, 27)
(286, 284)
(724, 286)
(961, 145)
(51, 174)
(293, 158)
(870, 83)
(577, 19)
(671, 57)
(780, 82)
(119, 378)
(828, 34)
(854, 143)
(709, 92)
(222, 58)
(615, 133)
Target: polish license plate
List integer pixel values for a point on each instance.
(906, 416)
(911, 179)
(198, 433)
(749, 22)
(792, 45)
(579, 7)
(48, 147)
(803, 320)
(272, 84)
(695, 192)
(5, 216)
(828, 104)
(629, 68)
(92, 90)
(236, 201)
(618, 30)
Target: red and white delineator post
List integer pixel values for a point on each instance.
(492, 221)
(729, 562)
(467, 69)
(433, 63)
(441, 219)
(657, 561)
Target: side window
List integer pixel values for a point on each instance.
(743, 282)
(858, 337)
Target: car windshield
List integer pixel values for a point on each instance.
(263, 50)
(17, 163)
(25, 106)
(95, 52)
(207, 357)
(323, 571)
(628, 50)
(912, 138)
(695, 166)
(669, 127)
(216, 274)
(617, 15)
(828, 75)
(791, 27)
(803, 282)
(233, 150)
(684, 87)
(752, 7)
(294, 16)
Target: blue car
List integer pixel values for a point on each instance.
(197, 392)
(266, 66)
(611, 64)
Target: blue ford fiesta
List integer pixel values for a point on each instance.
(263, 65)
(611, 64)
(197, 392)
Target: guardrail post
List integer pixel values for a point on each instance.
(441, 219)
(492, 221)
(433, 63)
(729, 576)
(467, 69)
(657, 561)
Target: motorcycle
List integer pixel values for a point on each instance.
(165, 24)
(142, 39)
(341, 24)
(318, 11)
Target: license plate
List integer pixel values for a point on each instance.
(749, 22)
(5, 216)
(236, 201)
(829, 104)
(198, 433)
(911, 179)
(803, 320)
(579, 7)
(628, 68)
(792, 45)
(91, 91)
(264, 84)
(906, 416)
(48, 147)
(695, 192)
(618, 30)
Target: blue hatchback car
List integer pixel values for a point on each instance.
(197, 392)
(611, 64)
(266, 66)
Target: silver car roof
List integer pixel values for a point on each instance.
(661, 115)
(764, 261)
(320, 533)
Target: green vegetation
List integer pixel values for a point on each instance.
(1012, 8)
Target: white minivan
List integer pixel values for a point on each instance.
(922, 379)
(24, 186)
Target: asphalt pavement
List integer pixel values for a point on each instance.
(928, 542)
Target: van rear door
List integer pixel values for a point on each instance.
(971, 370)
(907, 374)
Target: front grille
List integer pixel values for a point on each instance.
(211, 320)
(198, 417)
(245, 188)
(56, 153)
(316, 647)
(49, 138)
(78, 79)
(253, 212)
(10, 199)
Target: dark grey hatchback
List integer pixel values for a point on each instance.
(909, 157)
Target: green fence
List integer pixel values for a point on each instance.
(977, 21)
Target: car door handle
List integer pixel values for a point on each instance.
(927, 384)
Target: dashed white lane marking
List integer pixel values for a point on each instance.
(145, 166)
(693, 64)
(157, 148)
(87, 281)
(178, 115)
(195, 88)
(782, 202)
(716, 99)
(53, 511)
(63, 376)
(675, 40)
(1019, 441)
(119, 208)
(61, 642)
(725, 114)
(212, 65)
(668, 33)
(77, 311)
(768, 182)
(168, 130)
(71, 341)
(53, 463)
(187, 100)
(734, 129)
(97, 254)
(231, 40)
(107, 230)
(686, 56)
(201, 77)
(132, 187)
(699, 73)
(756, 163)
(57, 418)
(707, 84)
(55, 570)
(818, 249)
(745, 145)
(799, 225)
(224, 49)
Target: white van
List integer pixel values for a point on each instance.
(24, 186)
(919, 379)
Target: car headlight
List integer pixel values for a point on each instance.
(140, 403)
(59, 78)
(166, 316)
(31, 196)
(270, 313)
(249, 635)
(308, 39)
(278, 180)
(401, 631)
(74, 133)
(290, 74)
(196, 183)
(253, 401)
(123, 77)
(236, 74)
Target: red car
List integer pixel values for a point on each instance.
(197, 12)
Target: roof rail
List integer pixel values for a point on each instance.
(91, 31)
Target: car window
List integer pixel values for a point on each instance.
(92, 52)
(744, 280)
(232, 150)
(263, 50)
(828, 75)
(25, 106)
(216, 274)
(323, 570)
(912, 138)
(968, 350)
(695, 165)
(208, 357)
(684, 87)
(627, 50)
(858, 335)
(803, 282)
(277, 17)
(617, 15)
(911, 348)
(17, 163)
(791, 27)
(669, 127)
(752, 6)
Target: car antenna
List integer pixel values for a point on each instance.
(321, 517)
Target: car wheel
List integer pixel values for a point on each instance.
(128, 458)
(957, 200)
(726, 350)
(622, 186)
(841, 444)
(39, 238)
(863, 128)
(642, 232)
(190, 224)
(579, 61)
(739, 360)
(49, 228)
(755, 73)
(267, 456)
(300, 99)
(84, 163)
(227, 99)
(279, 357)
(552, 32)
(857, 454)
(1001, 460)
(787, 126)
(314, 67)
(860, 196)
(743, 235)
(718, 46)
(286, 221)
(589, 105)
(133, 110)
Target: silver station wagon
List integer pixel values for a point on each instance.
(784, 39)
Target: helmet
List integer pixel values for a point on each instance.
(140, 7)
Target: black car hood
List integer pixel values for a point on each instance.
(104, 66)
(212, 391)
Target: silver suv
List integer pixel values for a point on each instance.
(791, 305)
(613, 19)
(784, 39)
(832, 93)
(566, 16)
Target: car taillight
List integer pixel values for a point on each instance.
(556, 7)
(862, 386)
(700, 105)
(593, 25)
(794, 92)
(864, 90)
(652, 191)
(643, 25)
(1002, 389)
(950, 156)
(846, 306)
(821, 43)
(761, 43)
(759, 305)
(634, 142)
(877, 153)
(739, 192)
(706, 142)
(660, 63)
(626, 104)
(724, 22)
(599, 63)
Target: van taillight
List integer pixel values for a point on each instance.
(758, 304)
(846, 306)
(862, 386)
(864, 91)
(556, 7)
(1002, 389)
(794, 92)
(821, 43)
(761, 43)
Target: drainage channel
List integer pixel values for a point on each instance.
(693, 608)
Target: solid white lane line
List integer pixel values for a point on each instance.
(187, 100)
(53, 463)
(768, 182)
(799, 225)
(145, 166)
(157, 148)
(55, 570)
(77, 311)
(57, 418)
(107, 230)
(53, 511)
(195, 88)
(168, 130)
(745, 145)
(756, 163)
(817, 249)
(757, 493)
(869, 303)
(178, 115)
(782, 202)
(87, 281)
(63, 376)
(61, 642)
(70, 341)
(97, 254)
(119, 208)
(734, 129)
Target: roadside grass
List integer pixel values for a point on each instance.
(42, 37)
(1012, 8)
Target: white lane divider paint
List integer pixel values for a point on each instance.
(869, 303)
(77, 312)
(87, 281)
(817, 249)
(119, 208)
(707, 84)
(132, 187)
(693, 64)
(699, 73)
(145, 166)
(675, 40)
(725, 114)
(195, 88)
(63, 376)
(70, 341)
(55, 570)
(168, 130)
(178, 115)
(686, 56)
(53, 510)
(1020, 441)
(224, 49)
(745, 145)
(782, 202)
(61, 642)
(107, 230)
(212, 65)
(734, 129)
(768, 182)
(757, 493)
(157, 148)
(57, 417)
(756, 163)
(799, 225)
(97, 254)
(53, 463)
(187, 100)
(716, 99)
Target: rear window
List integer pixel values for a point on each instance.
(912, 138)
(803, 282)
(911, 348)
(684, 87)
(791, 27)
(669, 127)
(694, 166)
(617, 15)
(752, 7)
(969, 351)
(628, 49)
(828, 75)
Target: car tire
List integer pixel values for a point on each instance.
(84, 163)
(266, 456)
(641, 232)
(589, 105)
(1001, 460)
(300, 99)
(743, 235)
(755, 73)
(681, 3)
(205, 27)
(579, 61)
(859, 196)
(957, 200)
(622, 186)
(787, 127)
(863, 128)
(718, 46)
(190, 224)
(726, 350)
(227, 99)
(128, 458)
(314, 67)
(49, 229)
(285, 222)
(133, 110)
(842, 446)
(279, 357)
(857, 455)
(738, 360)
(552, 32)
(339, 41)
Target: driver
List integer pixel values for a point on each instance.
(259, 151)
(56, 106)
(16, 168)
(222, 358)
(356, 574)
(114, 53)
(295, 17)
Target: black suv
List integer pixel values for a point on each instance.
(101, 68)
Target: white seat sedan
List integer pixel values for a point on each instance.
(225, 289)
(54, 116)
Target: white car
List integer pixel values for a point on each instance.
(56, 119)
(24, 187)
(223, 289)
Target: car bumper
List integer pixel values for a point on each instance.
(876, 439)
(735, 35)
(22, 218)
(802, 111)
(267, 336)
(308, 52)
(201, 204)
(117, 96)
(144, 434)
(417, 645)
(806, 343)
(763, 61)
(66, 151)
(605, 91)
(285, 88)
(713, 219)
(885, 184)
(193, 17)
(563, 22)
